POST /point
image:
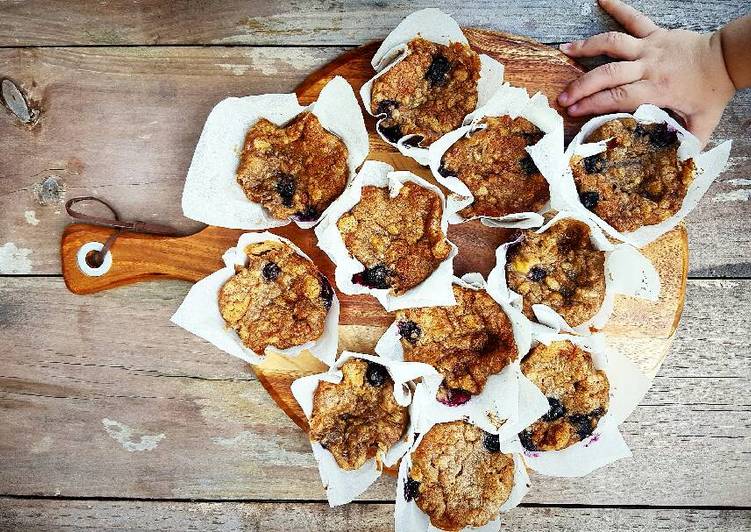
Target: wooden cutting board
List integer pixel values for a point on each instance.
(640, 329)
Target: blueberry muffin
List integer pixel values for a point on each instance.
(399, 240)
(428, 93)
(638, 180)
(497, 169)
(466, 342)
(578, 395)
(459, 477)
(359, 417)
(296, 170)
(278, 299)
(559, 268)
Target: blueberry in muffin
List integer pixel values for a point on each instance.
(428, 93)
(459, 477)
(295, 170)
(277, 299)
(559, 268)
(399, 240)
(638, 180)
(577, 392)
(497, 169)
(358, 418)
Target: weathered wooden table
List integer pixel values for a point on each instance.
(111, 417)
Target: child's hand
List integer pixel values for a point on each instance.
(680, 70)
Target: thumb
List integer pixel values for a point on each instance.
(702, 125)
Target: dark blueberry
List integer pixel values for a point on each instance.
(528, 166)
(537, 274)
(308, 214)
(582, 424)
(409, 330)
(445, 172)
(327, 293)
(589, 199)
(453, 396)
(392, 133)
(491, 442)
(662, 137)
(533, 138)
(556, 410)
(411, 489)
(641, 131)
(436, 73)
(413, 141)
(375, 277)
(285, 186)
(525, 437)
(376, 374)
(386, 107)
(594, 164)
(566, 292)
(271, 271)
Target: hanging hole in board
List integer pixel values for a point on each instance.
(90, 261)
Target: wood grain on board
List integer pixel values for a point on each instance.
(101, 396)
(290, 22)
(122, 123)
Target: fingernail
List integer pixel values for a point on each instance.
(573, 109)
(565, 47)
(563, 98)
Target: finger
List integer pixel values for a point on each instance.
(603, 77)
(702, 126)
(635, 22)
(613, 43)
(623, 98)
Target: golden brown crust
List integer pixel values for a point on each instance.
(296, 170)
(399, 240)
(466, 342)
(559, 268)
(578, 394)
(279, 299)
(496, 168)
(359, 417)
(429, 92)
(638, 180)
(458, 477)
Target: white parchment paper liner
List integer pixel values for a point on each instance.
(627, 272)
(212, 195)
(407, 516)
(606, 445)
(708, 165)
(343, 486)
(513, 102)
(433, 291)
(495, 409)
(199, 312)
(433, 25)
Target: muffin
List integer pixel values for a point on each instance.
(359, 417)
(459, 477)
(497, 169)
(638, 180)
(559, 268)
(295, 170)
(428, 93)
(278, 299)
(577, 392)
(466, 342)
(399, 240)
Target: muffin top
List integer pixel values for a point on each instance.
(428, 93)
(459, 477)
(559, 268)
(278, 299)
(638, 180)
(359, 417)
(497, 169)
(296, 170)
(577, 392)
(466, 342)
(399, 240)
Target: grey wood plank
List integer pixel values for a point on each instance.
(102, 397)
(289, 22)
(50, 514)
(122, 123)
